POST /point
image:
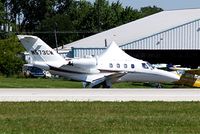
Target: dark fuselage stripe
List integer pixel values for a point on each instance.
(63, 70)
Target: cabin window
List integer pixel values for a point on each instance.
(125, 66)
(132, 66)
(118, 65)
(145, 66)
(111, 65)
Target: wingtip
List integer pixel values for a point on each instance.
(24, 36)
(20, 37)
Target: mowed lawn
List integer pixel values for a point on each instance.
(100, 117)
(13, 82)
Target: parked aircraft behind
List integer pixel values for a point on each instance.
(114, 65)
(189, 77)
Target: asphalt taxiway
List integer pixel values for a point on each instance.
(27, 95)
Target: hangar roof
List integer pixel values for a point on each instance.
(138, 29)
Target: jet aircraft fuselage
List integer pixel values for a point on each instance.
(113, 65)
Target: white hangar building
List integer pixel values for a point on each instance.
(165, 37)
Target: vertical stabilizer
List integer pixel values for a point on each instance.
(40, 51)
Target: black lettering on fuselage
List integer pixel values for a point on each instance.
(33, 52)
(41, 52)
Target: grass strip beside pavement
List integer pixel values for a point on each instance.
(99, 117)
(13, 82)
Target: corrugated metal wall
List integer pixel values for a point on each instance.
(184, 37)
(82, 52)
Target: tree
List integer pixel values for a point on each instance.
(33, 12)
(63, 23)
(63, 6)
(10, 62)
(101, 13)
(79, 16)
(115, 14)
(2, 13)
(146, 11)
(97, 17)
(129, 14)
(71, 17)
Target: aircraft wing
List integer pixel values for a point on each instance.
(115, 76)
(108, 78)
(193, 71)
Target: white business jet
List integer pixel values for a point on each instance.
(114, 65)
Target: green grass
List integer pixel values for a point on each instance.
(13, 82)
(98, 117)
(94, 117)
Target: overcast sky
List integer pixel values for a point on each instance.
(164, 4)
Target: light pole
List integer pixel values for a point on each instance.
(55, 34)
(98, 12)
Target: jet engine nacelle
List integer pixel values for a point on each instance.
(84, 63)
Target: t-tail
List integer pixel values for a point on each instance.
(43, 56)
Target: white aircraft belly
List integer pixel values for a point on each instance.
(143, 77)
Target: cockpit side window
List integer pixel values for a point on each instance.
(144, 65)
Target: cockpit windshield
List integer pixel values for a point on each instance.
(150, 66)
(144, 65)
(147, 65)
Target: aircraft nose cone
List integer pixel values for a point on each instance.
(169, 76)
(173, 77)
